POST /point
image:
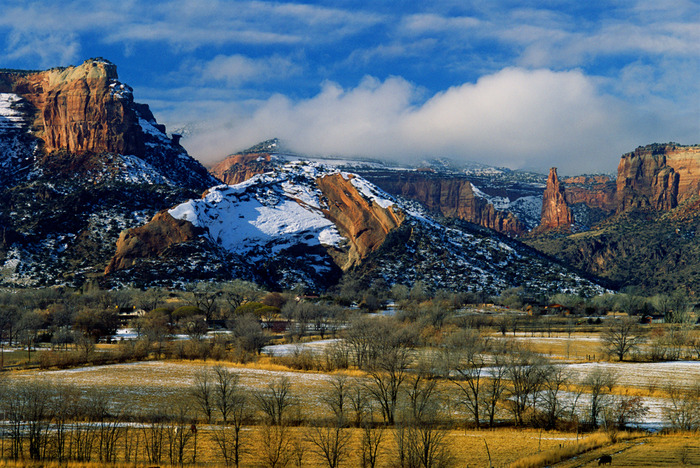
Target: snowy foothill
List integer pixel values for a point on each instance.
(276, 210)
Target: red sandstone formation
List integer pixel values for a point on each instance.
(658, 177)
(240, 167)
(81, 109)
(556, 214)
(364, 224)
(150, 240)
(452, 197)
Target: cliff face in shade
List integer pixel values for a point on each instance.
(658, 177)
(595, 192)
(150, 240)
(240, 167)
(556, 214)
(365, 224)
(454, 198)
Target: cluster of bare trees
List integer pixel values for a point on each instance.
(49, 422)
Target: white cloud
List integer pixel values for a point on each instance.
(237, 69)
(516, 117)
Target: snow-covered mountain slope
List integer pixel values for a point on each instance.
(507, 201)
(279, 228)
(266, 214)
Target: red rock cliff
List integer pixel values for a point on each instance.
(80, 109)
(150, 240)
(363, 223)
(658, 177)
(593, 191)
(453, 198)
(240, 167)
(556, 214)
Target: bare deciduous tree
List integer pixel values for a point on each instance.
(226, 391)
(275, 448)
(600, 382)
(621, 337)
(275, 400)
(202, 392)
(330, 443)
(683, 410)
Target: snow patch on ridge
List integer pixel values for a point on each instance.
(265, 214)
(10, 117)
(370, 191)
(528, 209)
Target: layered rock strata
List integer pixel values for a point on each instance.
(556, 214)
(658, 177)
(365, 224)
(451, 197)
(85, 110)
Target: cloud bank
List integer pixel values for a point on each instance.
(516, 117)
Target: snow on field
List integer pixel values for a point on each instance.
(641, 374)
(291, 348)
(154, 379)
(152, 382)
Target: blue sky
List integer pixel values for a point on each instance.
(524, 84)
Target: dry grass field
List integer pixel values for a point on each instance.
(664, 450)
(507, 447)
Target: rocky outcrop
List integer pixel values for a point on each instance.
(451, 197)
(364, 223)
(151, 240)
(556, 214)
(85, 110)
(81, 109)
(240, 167)
(658, 177)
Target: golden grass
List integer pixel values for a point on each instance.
(567, 451)
(661, 450)
(508, 447)
(467, 448)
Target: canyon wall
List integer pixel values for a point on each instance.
(658, 177)
(451, 197)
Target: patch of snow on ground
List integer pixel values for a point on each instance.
(680, 373)
(137, 171)
(291, 348)
(150, 129)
